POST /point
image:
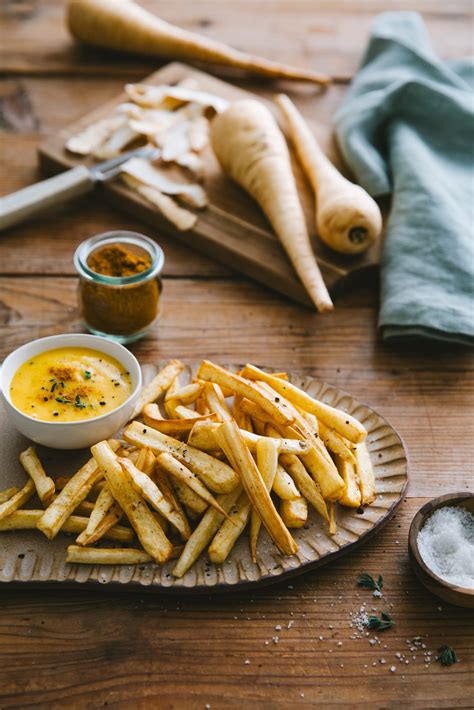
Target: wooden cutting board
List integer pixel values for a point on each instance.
(232, 229)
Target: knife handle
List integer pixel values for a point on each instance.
(27, 202)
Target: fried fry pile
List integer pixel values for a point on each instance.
(226, 452)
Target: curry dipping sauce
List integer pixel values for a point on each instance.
(69, 385)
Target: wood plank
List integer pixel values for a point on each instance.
(328, 35)
(426, 394)
(232, 228)
(143, 651)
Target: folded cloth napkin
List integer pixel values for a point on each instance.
(406, 127)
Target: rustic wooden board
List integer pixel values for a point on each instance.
(27, 557)
(232, 229)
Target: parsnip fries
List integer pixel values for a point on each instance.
(227, 451)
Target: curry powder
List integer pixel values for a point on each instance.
(122, 309)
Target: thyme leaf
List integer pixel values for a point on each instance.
(382, 624)
(366, 580)
(447, 655)
(78, 403)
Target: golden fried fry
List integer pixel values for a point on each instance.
(216, 475)
(184, 395)
(28, 519)
(149, 533)
(215, 401)
(165, 486)
(203, 534)
(177, 470)
(76, 489)
(214, 373)
(182, 412)
(17, 500)
(193, 504)
(230, 530)
(335, 443)
(44, 484)
(345, 425)
(232, 443)
(283, 485)
(267, 463)
(305, 483)
(243, 420)
(365, 473)
(103, 556)
(203, 437)
(351, 496)
(153, 411)
(177, 427)
(294, 513)
(104, 504)
(7, 494)
(157, 386)
(319, 464)
(146, 488)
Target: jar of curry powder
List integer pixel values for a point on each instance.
(119, 284)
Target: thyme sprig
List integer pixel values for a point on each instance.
(385, 622)
(447, 655)
(77, 402)
(366, 580)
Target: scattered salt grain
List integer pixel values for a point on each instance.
(247, 662)
(393, 669)
(446, 545)
(278, 627)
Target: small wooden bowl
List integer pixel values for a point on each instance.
(460, 596)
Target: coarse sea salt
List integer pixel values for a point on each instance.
(446, 545)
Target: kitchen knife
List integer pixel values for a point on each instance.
(30, 200)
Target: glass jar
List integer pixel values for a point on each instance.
(122, 308)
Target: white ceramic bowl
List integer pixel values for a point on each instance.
(70, 435)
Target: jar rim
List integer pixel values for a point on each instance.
(119, 236)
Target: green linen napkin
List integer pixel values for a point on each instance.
(406, 127)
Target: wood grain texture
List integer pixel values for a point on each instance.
(79, 649)
(326, 35)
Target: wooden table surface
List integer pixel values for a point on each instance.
(62, 649)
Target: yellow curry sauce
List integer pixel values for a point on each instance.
(70, 384)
